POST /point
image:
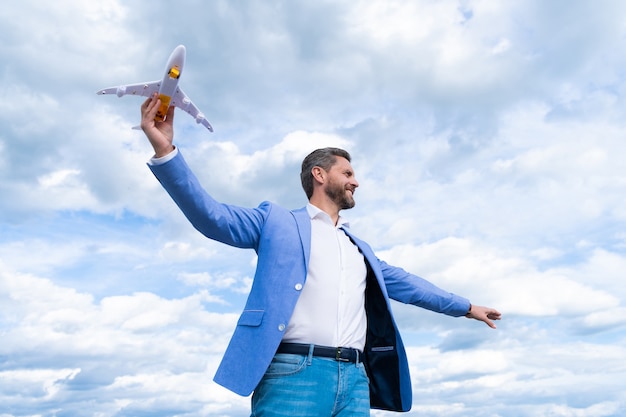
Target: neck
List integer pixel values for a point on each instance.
(327, 207)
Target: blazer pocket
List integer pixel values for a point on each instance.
(251, 318)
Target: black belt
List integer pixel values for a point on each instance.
(342, 354)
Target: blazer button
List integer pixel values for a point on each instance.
(298, 287)
(281, 327)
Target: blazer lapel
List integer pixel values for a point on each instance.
(370, 257)
(303, 222)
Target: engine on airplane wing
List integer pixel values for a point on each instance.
(200, 117)
(184, 104)
(121, 90)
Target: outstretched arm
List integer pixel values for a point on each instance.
(485, 314)
(411, 289)
(160, 134)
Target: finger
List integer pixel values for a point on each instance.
(494, 315)
(170, 114)
(146, 104)
(489, 323)
(153, 108)
(148, 112)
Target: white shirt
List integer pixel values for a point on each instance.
(331, 308)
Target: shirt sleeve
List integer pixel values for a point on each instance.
(154, 161)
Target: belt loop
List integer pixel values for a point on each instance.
(358, 357)
(310, 358)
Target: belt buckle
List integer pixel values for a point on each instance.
(338, 356)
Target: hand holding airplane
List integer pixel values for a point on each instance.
(168, 91)
(160, 134)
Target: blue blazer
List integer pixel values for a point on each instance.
(282, 241)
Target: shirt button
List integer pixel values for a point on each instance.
(298, 287)
(281, 327)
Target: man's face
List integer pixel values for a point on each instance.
(341, 184)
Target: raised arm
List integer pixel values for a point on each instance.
(230, 224)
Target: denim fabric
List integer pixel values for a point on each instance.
(307, 386)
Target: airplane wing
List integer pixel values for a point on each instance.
(183, 102)
(143, 89)
(179, 99)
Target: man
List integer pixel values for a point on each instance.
(317, 336)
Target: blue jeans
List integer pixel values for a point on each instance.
(311, 386)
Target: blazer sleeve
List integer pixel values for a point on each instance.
(233, 225)
(411, 289)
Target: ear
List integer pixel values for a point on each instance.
(319, 174)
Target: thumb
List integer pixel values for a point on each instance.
(170, 115)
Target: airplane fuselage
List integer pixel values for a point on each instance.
(173, 70)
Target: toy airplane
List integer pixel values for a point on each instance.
(169, 92)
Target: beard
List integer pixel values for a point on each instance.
(339, 195)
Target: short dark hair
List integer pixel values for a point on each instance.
(324, 158)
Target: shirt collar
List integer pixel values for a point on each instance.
(315, 212)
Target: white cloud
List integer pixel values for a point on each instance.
(42, 383)
(175, 337)
(514, 374)
(493, 277)
(272, 173)
(606, 319)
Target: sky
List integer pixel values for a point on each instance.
(488, 138)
